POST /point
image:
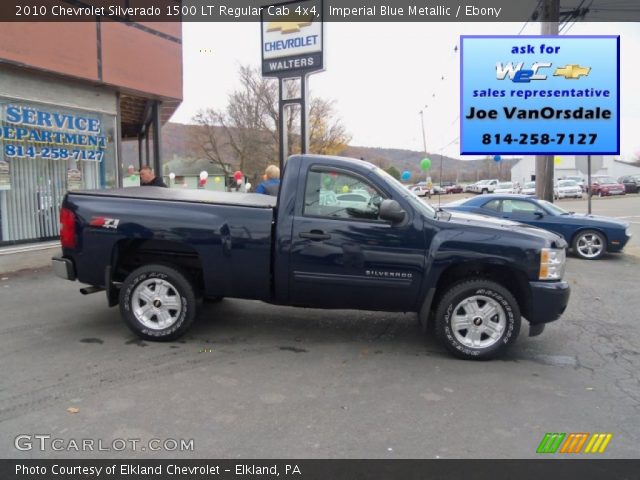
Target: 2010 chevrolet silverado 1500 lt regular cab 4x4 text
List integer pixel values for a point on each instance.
(342, 234)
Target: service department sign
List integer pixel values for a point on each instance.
(541, 95)
(292, 38)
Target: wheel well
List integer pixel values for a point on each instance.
(131, 254)
(513, 280)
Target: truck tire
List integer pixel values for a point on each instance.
(158, 302)
(484, 191)
(477, 319)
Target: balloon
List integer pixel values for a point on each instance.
(345, 189)
(425, 164)
(238, 175)
(327, 182)
(217, 180)
(239, 181)
(247, 187)
(172, 176)
(204, 175)
(557, 160)
(406, 175)
(202, 182)
(497, 158)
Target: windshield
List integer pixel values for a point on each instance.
(407, 194)
(530, 185)
(604, 180)
(553, 208)
(567, 183)
(505, 185)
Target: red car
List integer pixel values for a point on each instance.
(453, 189)
(603, 185)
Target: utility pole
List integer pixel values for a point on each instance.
(424, 136)
(544, 163)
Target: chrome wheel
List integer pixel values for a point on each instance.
(590, 245)
(156, 304)
(478, 321)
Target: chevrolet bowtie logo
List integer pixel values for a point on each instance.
(572, 72)
(286, 27)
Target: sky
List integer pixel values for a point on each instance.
(381, 75)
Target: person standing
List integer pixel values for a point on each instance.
(271, 184)
(148, 178)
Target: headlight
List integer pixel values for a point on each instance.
(552, 262)
(627, 232)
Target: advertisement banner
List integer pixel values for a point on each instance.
(540, 95)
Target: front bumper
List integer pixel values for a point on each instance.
(63, 268)
(548, 301)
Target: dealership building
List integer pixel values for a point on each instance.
(70, 94)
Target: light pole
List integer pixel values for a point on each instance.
(424, 138)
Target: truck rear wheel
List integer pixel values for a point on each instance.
(158, 302)
(477, 319)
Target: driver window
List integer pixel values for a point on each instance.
(519, 207)
(336, 194)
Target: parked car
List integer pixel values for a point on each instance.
(529, 188)
(420, 190)
(351, 199)
(158, 252)
(589, 236)
(579, 180)
(470, 188)
(567, 189)
(505, 187)
(603, 185)
(631, 183)
(453, 189)
(486, 186)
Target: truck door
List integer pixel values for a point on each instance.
(342, 255)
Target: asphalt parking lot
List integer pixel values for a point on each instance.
(257, 381)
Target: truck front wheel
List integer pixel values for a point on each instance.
(157, 302)
(477, 319)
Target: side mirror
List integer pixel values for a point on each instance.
(538, 214)
(391, 211)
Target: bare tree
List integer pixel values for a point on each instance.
(246, 132)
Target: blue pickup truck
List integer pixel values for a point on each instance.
(159, 253)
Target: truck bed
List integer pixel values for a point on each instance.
(255, 200)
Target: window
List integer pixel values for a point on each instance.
(519, 207)
(493, 205)
(336, 194)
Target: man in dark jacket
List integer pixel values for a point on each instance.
(271, 184)
(148, 179)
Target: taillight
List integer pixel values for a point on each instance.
(67, 228)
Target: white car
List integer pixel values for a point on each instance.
(352, 199)
(579, 180)
(505, 187)
(529, 188)
(567, 188)
(486, 186)
(420, 190)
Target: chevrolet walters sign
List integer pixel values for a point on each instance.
(292, 38)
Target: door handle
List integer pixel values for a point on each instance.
(315, 235)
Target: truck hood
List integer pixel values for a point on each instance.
(485, 221)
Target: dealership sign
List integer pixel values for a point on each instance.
(292, 38)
